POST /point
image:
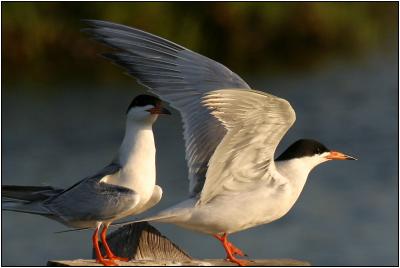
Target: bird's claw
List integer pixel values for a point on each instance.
(239, 261)
(116, 258)
(231, 251)
(106, 262)
(236, 251)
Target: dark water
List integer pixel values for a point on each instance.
(346, 215)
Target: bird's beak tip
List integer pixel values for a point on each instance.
(334, 155)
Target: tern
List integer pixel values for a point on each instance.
(125, 187)
(231, 133)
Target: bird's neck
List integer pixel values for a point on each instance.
(137, 156)
(138, 141)
(296, 171)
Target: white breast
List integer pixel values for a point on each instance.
(137, 159)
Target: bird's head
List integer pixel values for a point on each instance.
(145, 109)
(312, 153)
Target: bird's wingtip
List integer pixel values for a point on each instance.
(72, 230)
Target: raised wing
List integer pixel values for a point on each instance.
(178, 76)
(256, 122)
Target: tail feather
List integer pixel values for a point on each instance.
(25, 207)
(28, 193)
(27, 199)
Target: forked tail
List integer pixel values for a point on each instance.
(26, 199)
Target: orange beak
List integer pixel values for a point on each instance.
(333, 155)
(159, 110)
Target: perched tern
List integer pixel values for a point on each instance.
(123, 188)
(231, 133)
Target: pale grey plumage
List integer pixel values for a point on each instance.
(177, 75)
(91, 200)
(80, 205)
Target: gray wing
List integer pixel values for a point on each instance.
(178, 76)
(92, 200)
(256, 122)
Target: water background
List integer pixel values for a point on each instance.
(346, 215)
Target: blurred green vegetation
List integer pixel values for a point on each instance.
(42, 42)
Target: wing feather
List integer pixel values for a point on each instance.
(256, 123)
(92, 200)
(178, 76)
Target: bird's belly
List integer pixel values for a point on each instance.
(235, 213)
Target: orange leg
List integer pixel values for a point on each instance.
(99, 257)
(109, 253)
(231, 250)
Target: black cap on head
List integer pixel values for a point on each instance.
(303, 147)
(143, 100)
